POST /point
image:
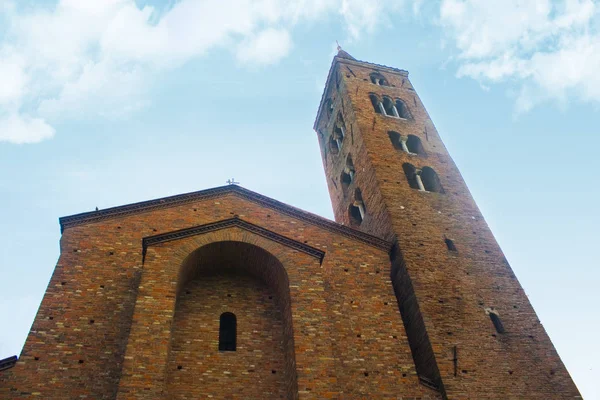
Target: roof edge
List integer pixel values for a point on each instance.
(8, 363)
(145, 206)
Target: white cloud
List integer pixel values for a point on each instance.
(361, 15)
(21, 129)
(267, 47)
(549, 48)
(13, 79)
(96, 57)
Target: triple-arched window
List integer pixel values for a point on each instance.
(424, 179)
(227, 332)
(391, 108)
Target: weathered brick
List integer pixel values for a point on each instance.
(443, 294)
(324, 311)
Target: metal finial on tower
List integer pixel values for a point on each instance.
(232, 182)
(342, 53)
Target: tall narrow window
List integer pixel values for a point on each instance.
(348, 173)
(227, 332)
(431, 182)
(413, 145)
(496, 321)
(339, 131)
(401, 109)
(450, 244)
(334, 146)
(357, 210)
(411, 175)
(328, 107)
(378, 79)
(396, 140)
(389, 107)
(377, 105)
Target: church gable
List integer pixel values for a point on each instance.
(178, 206)
(128, 268)
(229, 223)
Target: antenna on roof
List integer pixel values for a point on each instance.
(232, 182)
(338, 46)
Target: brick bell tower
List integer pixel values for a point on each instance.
(471, 329)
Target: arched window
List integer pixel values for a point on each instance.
(334, 146)
(328, 107)
(431, 182)
(495, 319)
(357, 209)
(450, 244)
(402, 109)
(413, 145)
(412, 176)
(389, 108)
(227, 332)
(378, 79)
(348, 173)
(339, 130)
(396, 140)
(410, 144)
(377, 105)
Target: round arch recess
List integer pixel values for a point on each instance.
(242, 260)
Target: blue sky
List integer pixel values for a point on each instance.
(104, 103)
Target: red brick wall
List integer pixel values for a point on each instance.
(254, 370)
(342, 331)
(443, 294)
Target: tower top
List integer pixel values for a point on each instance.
(343, 54)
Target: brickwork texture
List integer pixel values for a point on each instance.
(376, 305)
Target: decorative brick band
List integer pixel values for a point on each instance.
(146, 206)
(228, 223)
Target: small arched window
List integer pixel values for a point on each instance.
(495, 320)
(334, 145)
(357, 209)
(337, 137)
(431, 182)
(402, 109)
(411, 175)
(378, 79)
(389, 108)
(413, 145)
(410, 144)
(227, 332)
(377, 105)
(450, 244)
(396, 140)
(348, 173)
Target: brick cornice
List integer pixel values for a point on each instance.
(231, 223)
(165, 202)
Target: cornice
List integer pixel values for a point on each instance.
(229, 223)
(151, 205)
(8, 363)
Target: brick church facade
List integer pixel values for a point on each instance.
(227, 294)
